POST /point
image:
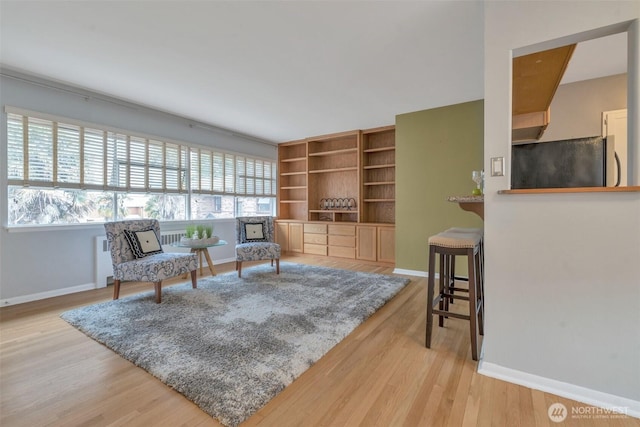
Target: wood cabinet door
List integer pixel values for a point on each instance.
(386, 244)
(366, 243)
(282, 235)
(296, 237)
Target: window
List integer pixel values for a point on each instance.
(255, 206)
(62, 172)
(212, 207)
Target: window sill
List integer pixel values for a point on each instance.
(629, 189)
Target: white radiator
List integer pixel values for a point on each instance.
(103, 267)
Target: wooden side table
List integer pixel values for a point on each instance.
(202, 251)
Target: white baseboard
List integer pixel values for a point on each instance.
(418, 273)
(71, 290)
(48, 294)
(570, 391)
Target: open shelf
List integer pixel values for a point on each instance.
(380, 183)
(378, 150)
(333, 215)
(292, 183)
(334, 170)
(389, 165)
(378, 175)
(334, 152)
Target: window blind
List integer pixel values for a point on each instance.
(215, 172)
(50, 153)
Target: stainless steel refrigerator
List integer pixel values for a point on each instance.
(580, 162)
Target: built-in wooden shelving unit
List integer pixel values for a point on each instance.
(354, 174)
(358, 165)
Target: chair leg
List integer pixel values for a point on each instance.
(239, 265)
(452, 278)
(277, 265)
(480, 295)
(443, 304)
(473, 304)
(116, 289)
(158, 286)
(430, 285)
(271, 262)
(194, 279)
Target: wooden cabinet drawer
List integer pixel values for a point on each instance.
(345, 241)
(319, 239)
(343, 252)
(310, 248)
(342, 230)
(315, 228)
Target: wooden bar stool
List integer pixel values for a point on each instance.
(448, 245)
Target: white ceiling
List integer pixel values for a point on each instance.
(274, 70)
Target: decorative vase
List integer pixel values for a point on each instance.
(211, 240)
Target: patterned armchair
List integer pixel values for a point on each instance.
(136, 254)
(255, 241)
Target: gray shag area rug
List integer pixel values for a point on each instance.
(233, 344)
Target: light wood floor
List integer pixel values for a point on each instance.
(380, 375)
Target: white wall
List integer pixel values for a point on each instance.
(562, 280)
(59, 260)
(576, 109)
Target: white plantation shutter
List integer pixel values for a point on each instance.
(94, 170)
(214, 172)
(15, 148)
(195, 170)
(156, 169)
(118, 148)
(46, 152)
(241, 176)
(68, 154)
(255, 177)
(229, 174)
(206, 171)
(174, 162)
(40, 150)
(250, 173)
(218, 172)
(136, 161)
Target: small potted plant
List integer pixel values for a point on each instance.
(199, 234)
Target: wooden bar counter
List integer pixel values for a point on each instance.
(473, 204)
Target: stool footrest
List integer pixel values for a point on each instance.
(454, 296)
(451, 314)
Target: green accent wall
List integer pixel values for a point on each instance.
(436, 150)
